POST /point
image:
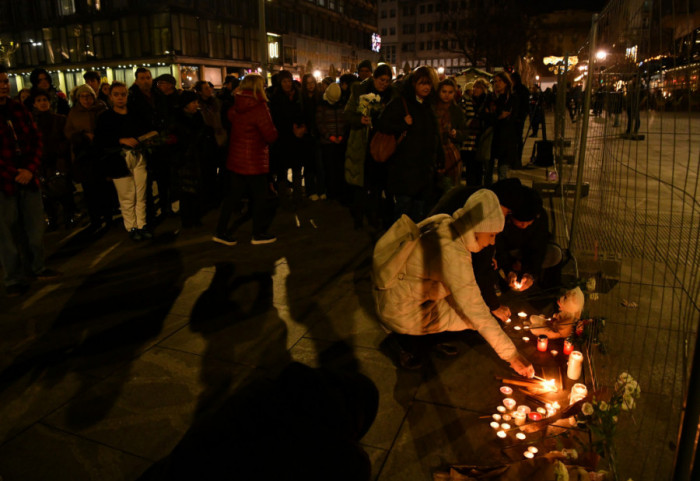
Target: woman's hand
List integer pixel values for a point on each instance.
(522, 366)
(453, 133)
(23, 176)
(408, 119)
(366, 120)
(501, 312)
(129, 142)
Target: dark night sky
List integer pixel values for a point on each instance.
(554, 5)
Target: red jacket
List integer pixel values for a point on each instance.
(252, 131)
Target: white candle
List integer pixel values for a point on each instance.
(509, 403)
(505, 426)
(501, 409)
(532, 449)
(501, 434)
(542, 411)
(496, 417)
(508, 321)
(526, 339)
(506, 417)
(519, 418)
(524, 409)
(528, 455)
(578, 392)
(517, 328)
(575, 365)
(554, 352)
(495, 425)
(522, 314)
(520, 436)
(507, 390)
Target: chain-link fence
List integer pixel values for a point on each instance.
(630, 146)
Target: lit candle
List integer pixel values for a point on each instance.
(533, 449)
(542, 342)
(506, 417)
(551, 410)
(535, 416)
(528, 455)
(520, 436)
(522, 314)
(496, 417)
(505, 426)
(526, 327)
(554, 352)
(495, 425)
(526, 339)
(556, 405)
(568, 347)
(524, 409)
(501, 434)
(575, 365)
(508, 321)
(517, 328)
(578, 392)
(542, 411)
(507, 390)
(509, 403)
(501, 409)
(519, 418)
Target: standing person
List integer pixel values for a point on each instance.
(54, 171)
(94, 80)
(80, 132)
(437, 290)
(453, 129)
(332, 132)
(287, 151)
(160, 165)
(632, 104)
(194, 150)
(537, 112)
(248, 163)
(364, 70)
(481, 128)
(117, 134)
(366, 177)
(210, 107)
(521, 106)
(314, 180)
(225, 97)
(103, 93)
(412, 168)
(346, 81)
(21, 212)
(504, 147)
(41, 80)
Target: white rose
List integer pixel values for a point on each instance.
(624, 377)
(587, 409)
(603, 406)
(590, 284)
(614, 419)
(627, 402)
(632, 388)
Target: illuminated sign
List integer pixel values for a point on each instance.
(376, 42)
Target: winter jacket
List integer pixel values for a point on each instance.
(412, 167)
(360, 135)
(531, 243)
(194, 150)
(252, 131)
(20, 146)
(82, 121)
(331, 122)
(111, 127)
(436, 290)
(286, 111)
(211, 112)
(55, 153)
(143, 108)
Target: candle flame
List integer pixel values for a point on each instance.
(522, 314)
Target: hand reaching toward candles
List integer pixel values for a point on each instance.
(501, 312)
(522, 366)
(525, 282)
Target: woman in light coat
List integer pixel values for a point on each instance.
(436, 290)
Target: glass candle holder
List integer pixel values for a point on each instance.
(542, 342)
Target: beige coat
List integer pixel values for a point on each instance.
(436, 290)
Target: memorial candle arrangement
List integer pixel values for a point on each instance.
(573, 372)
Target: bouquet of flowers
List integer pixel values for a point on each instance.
(369, 103)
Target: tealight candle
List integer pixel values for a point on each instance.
(517, 328)
(509, 403)
(528, 455)
(568, 347)
(505, 426)
(521, 314)
(542, 342)
(496, 417)
(501, 434)
(501, 409)
(578, 392)
(535, 416)
(524, 409)
(533, 449)
(554, 352)
(508, 321)
(520, 436)
(556, 405)
(542, 411)
(575, 364)
(526, 327)
(526, 339)
(495, 425)
(506, 417)
(519, 418)
(507, 390)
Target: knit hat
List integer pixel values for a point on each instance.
(481, 213)
(186, 97)
(84, 89)
(332, 93)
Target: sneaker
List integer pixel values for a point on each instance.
(263, 239)
(16, 290)
(135, 235)
(313, 197)
(145, 233)
(226, 240)
(48, 275)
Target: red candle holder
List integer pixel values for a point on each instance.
(542, 342)
(534, 416)
(568, 347)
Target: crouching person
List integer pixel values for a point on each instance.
(423, 281)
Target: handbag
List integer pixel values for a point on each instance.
(383, 145)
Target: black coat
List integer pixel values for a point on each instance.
(285, 113)
(412, 168)
(194, 151)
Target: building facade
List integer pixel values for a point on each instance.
(190, 39)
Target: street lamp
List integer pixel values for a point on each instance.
(441, 70)
(601, 54)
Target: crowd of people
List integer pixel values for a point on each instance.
(148, 151)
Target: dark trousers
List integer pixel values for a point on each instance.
(474, 168)
(190, 209)
(334, 165)
(256, 188)
(99, 195)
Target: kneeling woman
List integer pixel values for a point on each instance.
(435, 290)
(117, 134)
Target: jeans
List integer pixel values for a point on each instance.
(21, 234)
(132, 196)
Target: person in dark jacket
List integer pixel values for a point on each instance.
(504, 147)
(80, 132)
(248, 163)
(333, 134)
(287, 151)
(418, 157)
(56, 180)
(314, 178)
(117, 135)
(41, 80)
(521, 112)
(453, 129)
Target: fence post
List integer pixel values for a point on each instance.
(584, 131)
(685, 467)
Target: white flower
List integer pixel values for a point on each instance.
(590, 284)
(625, 377)
(603, 406)
(570, 453)
(632, 388)
(593, 296)
(587, 409)
(614, 419)
(627, 402)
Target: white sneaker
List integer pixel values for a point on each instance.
(313, 197)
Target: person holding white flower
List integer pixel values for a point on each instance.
(364, 175)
